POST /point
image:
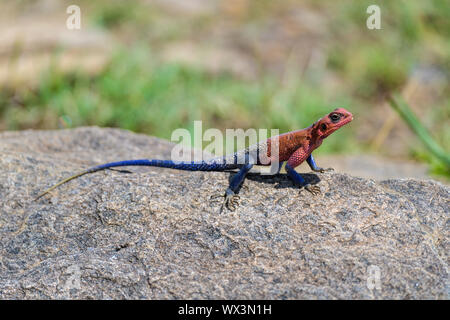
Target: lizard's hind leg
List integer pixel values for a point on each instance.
(231, 199)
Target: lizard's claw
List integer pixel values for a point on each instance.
(322, 170)
(216, 196)
(315, 190)
(214, 199)
(230, 200)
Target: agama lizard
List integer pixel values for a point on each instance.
(293, 147)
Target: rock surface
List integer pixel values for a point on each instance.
(375, 167)
(153, 234)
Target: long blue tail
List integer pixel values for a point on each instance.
(190, 166)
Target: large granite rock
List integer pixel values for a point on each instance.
(153, 234)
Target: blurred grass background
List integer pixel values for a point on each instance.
(244, 64)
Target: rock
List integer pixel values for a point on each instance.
(375, 167)
(153, 234)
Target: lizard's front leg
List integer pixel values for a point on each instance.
(298, 179)
(314, 167)
(294, 160)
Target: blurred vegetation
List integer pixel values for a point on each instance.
(436, 152)
(143, 93)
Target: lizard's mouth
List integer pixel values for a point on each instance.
(344, 122)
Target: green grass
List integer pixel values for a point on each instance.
(144, 95)
(436, 155)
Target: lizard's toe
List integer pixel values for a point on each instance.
(315, 190)
(215, 196)
(217, 199)
(231, 201)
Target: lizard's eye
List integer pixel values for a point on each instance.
(323, 127)
(335, 117)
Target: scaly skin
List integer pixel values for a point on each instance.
(294, 147)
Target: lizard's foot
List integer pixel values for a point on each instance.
(322, 170)
(315, 190)
(231, 200)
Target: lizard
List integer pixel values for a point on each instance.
(292, 147)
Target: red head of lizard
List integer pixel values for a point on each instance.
(330, 123)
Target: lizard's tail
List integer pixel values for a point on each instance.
(190, 166)
(60, 183)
